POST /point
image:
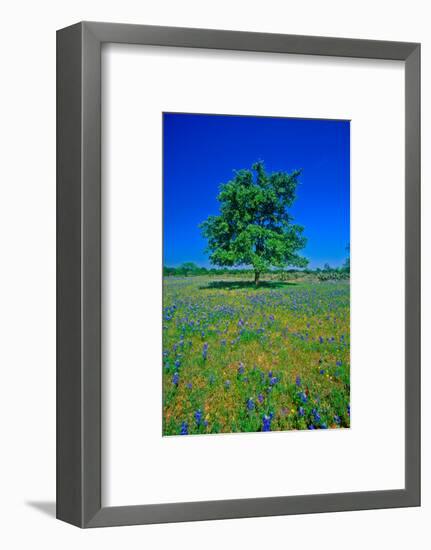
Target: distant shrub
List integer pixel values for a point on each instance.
(333, 275)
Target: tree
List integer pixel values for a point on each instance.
(346, 265)
(254, 227)
(188, 268)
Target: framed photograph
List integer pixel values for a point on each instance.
(228, 344)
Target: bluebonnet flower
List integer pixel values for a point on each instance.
(322, 371)
(320, 340)
(266, 422)
(316, 415)
(260, 398)
(311, 427)
(177, 364)
(338, 363)
(273, 381)
(301, 411)
(175, 378)
(323, 426)
(223, 342)
(337, 419)
(205, 423)
(348, 409)
(303, 397)
(227, 384)
(205, 351)
(184, 428)
(189, 385)
(203, 334)
(298, 381)
(271, 318)
(241, 369)
(250, 404)
(270, 374)
(198, 417)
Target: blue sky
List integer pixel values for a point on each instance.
(201, 151)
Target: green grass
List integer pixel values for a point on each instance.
(278, 356)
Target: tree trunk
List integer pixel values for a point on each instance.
(256, 277)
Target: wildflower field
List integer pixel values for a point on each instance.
(240, 358)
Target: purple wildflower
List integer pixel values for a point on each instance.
(175, 378)
(303, 397)
(184, 428)
(198, 417)
(205, 351)
(250, 404)
(266, 423)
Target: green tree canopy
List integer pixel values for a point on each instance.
(346, 265)
(254, 227)
(188, 268)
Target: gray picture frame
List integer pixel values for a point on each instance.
(79, 274)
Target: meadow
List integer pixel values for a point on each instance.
(241, 358)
